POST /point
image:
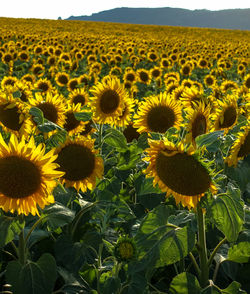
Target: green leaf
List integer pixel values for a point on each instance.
(9, 228)
(130, 158)
(83, 116)
(48, 126)
(57, 215)
(239, 253)
(155, 219)
(116, 139)
(233, 288)
(227, 212)
(32, 278)
(210, 140)
(160, 243)
(185, 283)
(38, 115)
(47, 264)
(17, 94)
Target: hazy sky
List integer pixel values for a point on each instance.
(52, 9)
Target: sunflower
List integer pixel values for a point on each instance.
(129, 76)
(156, 72)
(247, 81)
(240, 148)
(29, 79)
(108, 101)
(197, 121)
(143, 76)
(79, 96)
(38, 70)
(229, 86)
(25, 92)
(52, 105)
(72, 125)
(43, 85)
(24, 56)
(226, 114)
(88, 129)
(158, 114)
(8, 82)
(125, 118)
(84, 79)
(7, 58)
(72, 84)
(62, 79)
(186, 69)
(27, 176)
(165, 63)
(209, 80)
(80, 162)
(190, 96)
(12, 116)
(178, 172)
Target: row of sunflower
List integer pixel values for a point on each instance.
(122, 148)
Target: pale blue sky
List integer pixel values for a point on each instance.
(51, 9)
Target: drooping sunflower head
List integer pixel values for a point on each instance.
(80, 162)
(178, 172)
(158, 114)
(107, 102)
(226, 114)
(197, 121)
(27, 176)
(190, 96)
(240, 147)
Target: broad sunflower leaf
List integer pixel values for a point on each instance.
(210, 140)
(9, 227)
(160, 243)
(227, 212)
(31, 278)
(83, 116)
(185, 283)
(58, 215)
(38, 115)
(239, 253)
(116, 139)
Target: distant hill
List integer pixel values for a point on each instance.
(225, 19)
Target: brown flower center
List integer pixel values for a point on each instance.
(77, 161)
(199, 125)
(183, 174)
(71, 122)
(160, 118)
(230, 116)
(19, 177)
(245, 147)
(109, 101)
(49, 111)
(9, 117)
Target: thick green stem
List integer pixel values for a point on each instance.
(22, 253)
(33, 228)
(202, 248)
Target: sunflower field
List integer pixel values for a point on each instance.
(124, 158)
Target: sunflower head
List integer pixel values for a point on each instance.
(107, 102)
(158, 114)
(80, 162)
(27, 176)
(178, 172)
(125, 249)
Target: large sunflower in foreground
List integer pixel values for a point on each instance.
(80, 162)
(178, 172)
(27, 176)
(108, 101)
(158, 114)
(197, 121)
(240, 148)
